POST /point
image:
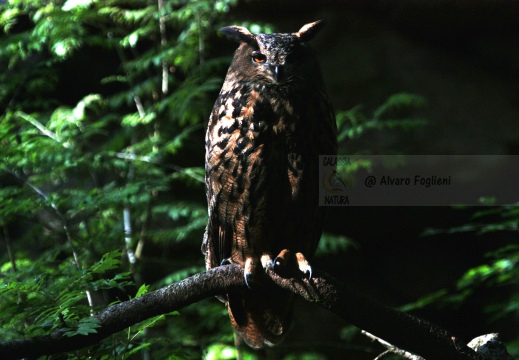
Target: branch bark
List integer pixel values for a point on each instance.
(401, 329)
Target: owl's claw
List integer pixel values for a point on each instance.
(285, 265)
(306, 270)
(247, 276)
(267, 263)
(248, 268)
(225, 262)
(278, 264)
(304, 266)
(281, 266)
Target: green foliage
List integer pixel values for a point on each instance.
(500, 272)
(95, 187)
(502, 268)
(46, 294)
(333, 244)
(84, 327)
(396, 113)
(221, 352)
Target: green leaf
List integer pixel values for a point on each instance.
(109, 261)
(135, 119)
(143, 289)
(333, 244)
(84, 327)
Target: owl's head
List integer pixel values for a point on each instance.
(278, 58)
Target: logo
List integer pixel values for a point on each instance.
(334, 181)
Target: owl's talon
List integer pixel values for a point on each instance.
(304, 266)
(308, 272)
(272, 264)
(225, 262)
(277, 264)
(267, 263)
(247, 276)
(247, 271)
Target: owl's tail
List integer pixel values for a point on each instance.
(261, 318)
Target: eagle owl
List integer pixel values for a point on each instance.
(271, 121)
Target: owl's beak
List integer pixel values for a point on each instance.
(277, 72)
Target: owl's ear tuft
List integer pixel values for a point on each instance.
(239, 33)
(308, 31)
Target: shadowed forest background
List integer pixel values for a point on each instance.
(103, 108)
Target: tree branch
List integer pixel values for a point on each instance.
(401, 329)
(405, 331)
(120, 316)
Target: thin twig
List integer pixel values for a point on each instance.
(391, 348)
(7, 239)
(163, 44)
(201, 45)
(38, 125)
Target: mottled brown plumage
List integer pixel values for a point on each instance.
(267, 129)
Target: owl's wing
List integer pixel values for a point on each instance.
(215, 246)
(218, 239)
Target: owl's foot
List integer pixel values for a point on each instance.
(248, 270)
(225, 262)
(266, 262)
(304, 266)
(284, 265)
(285, 262)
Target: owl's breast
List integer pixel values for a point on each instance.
(260, 168)
(256, 132)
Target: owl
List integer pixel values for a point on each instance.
(271, 121)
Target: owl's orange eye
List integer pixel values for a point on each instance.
(258, 57)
